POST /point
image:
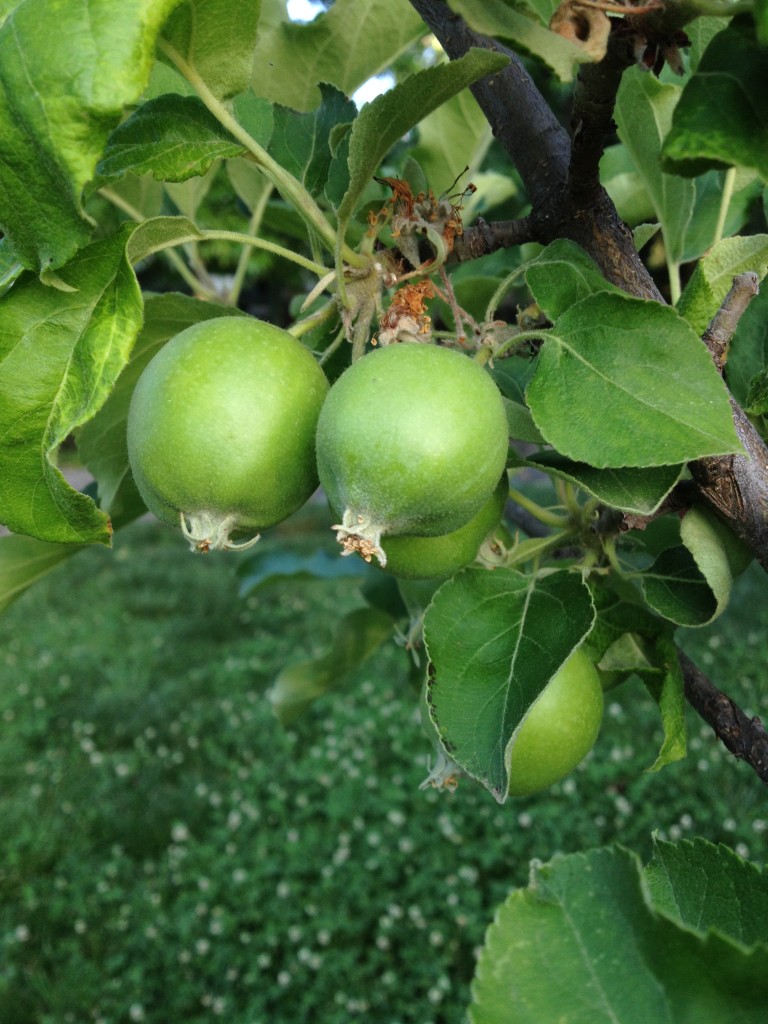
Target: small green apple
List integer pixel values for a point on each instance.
(559, 730)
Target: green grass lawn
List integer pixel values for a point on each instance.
(171, 855)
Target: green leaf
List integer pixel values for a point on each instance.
(102, 442)
(563, 274)
(748, 354)
(666, 686)
(217, 38)
(172, 138)
(358, 635)
(267, 567)
(520, 423)
(502, 20)
(719, 555)
(675, 587)
(704, 230)
(10, 268)
(187, 196)
(256, 115)
(757, 396)
(160, 233)
(625, 186)
(585, 943)
(494, 640)
(66, 73)
(626, 382)
(345, 46)
(722, 117)
(383, 122)
(643, 115)
(143, 196)
(249, 183)
(760, 15)
(454, 136)
(639, 491)
(25, 560)
(713, 276)
(301, 142)
(706, 887)
(60, 354)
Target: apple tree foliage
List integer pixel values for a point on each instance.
(573, 195)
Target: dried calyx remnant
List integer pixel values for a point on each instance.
(357, 535)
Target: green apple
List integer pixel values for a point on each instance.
(559, 729)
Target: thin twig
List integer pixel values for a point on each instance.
(722, 327)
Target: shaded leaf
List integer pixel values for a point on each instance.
(757, 396)
(345, 46)
(748, 354)
(256, 115)
(10, 267)
(25, 560)
(626, 382)
(159, 233)
(520, 423)
(665, 684)
(632, 490)
(301, 143)
(675, 587)
(358, 635)
(719, 555)
(144, 195)
(66, 73)
(722, 117)
(60, 354)
(187, 196)
(643, 113)
(454, 136)
(265, 568)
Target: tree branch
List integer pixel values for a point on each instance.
(594, 99)
(482, 238)
(737, 485)
(745, 737)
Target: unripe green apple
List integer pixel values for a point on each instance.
(559, 730)
(434, 558)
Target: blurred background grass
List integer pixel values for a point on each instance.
(171, 855)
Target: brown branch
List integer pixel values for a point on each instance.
(594, 100)
(483, 238)
(737, 485)
(744, 737)
(722, 327)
